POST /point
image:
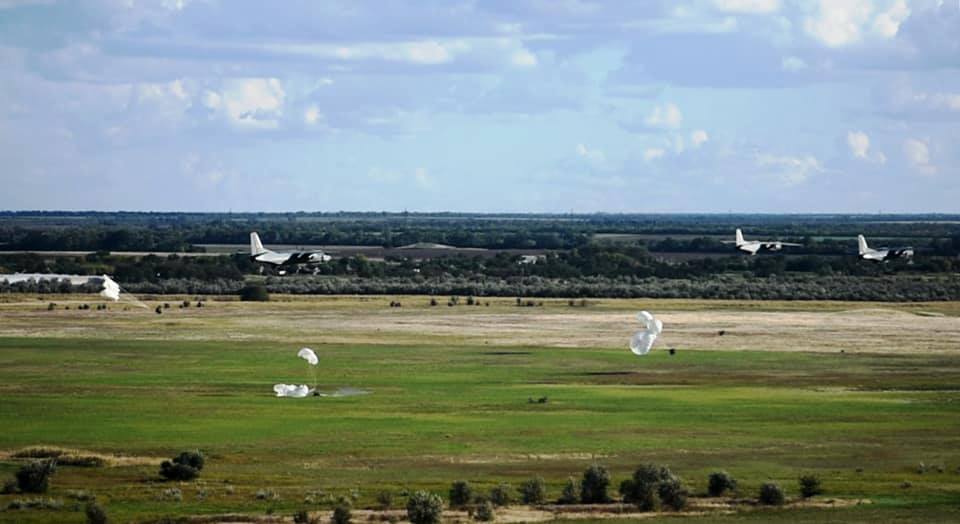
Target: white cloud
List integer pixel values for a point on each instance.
(789, 169)
(422, 178)
(748, 6)
(839, 22)
(917, 153)
(699, 137)
(252, 103)
(793, 64)
(664, 116)
(653, 153)
(592, 155)
(859, 144)
(523, 58)
(887, 23)
(312, 115)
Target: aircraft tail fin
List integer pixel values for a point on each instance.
(862, 244)
(739, 237)
(256, 248)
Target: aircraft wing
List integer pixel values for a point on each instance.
(768, 244)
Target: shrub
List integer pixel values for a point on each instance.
(652, 484)
(301, 517)
(810, 486)
(341, 514)
(185, 466)
(534, 491)
(672, 493)
(720, 482)
(460, 493)
(501, 494)
(771, 494)
(254, 293)
(569, 493)
(9, 487)
(424, 507)
(172, 494)
(593, 487)
(385, 499)
(484, 512)
(95, 514)
(35, 476)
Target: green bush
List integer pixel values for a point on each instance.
(484, 512)
(460, 493)
(810, 486)
(254, 293)
(301, 517)
(772, 494)
(95, 514)
(501, 494)
(569, 493)
(424, 507)
(534, 491)
(341, 514)
(593, 487)
(185, 466)
(720, 482)
(35, 476)
(672, 493)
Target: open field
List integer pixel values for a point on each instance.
(858, 393)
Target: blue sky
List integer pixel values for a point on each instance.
(486, 106)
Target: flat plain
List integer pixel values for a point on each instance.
(865, 395)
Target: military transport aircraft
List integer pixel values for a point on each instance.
(752, 246)
(882, 254)
(293, 259)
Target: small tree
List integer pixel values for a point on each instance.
(569, 493)
(95, 514)
(484, 512)
(185, 466)
(534, 491)
(672, 493)
(35, 476)
(593, 487)
(341, 513)
(810, 486)
(771, 494)
(460, 493)
(424, 507)
(501, 494)
(719, 483)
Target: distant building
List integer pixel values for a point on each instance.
(531, 259)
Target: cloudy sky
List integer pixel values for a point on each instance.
(474, 105)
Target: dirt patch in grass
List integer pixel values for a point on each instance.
(77, 457)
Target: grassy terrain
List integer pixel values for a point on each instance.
(453, 408)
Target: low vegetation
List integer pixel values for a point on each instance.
(185, 466)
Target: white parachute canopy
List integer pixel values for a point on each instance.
(308, 355)
(291, 390)
(642, 341)
(110, 289)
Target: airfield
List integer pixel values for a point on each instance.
(865, 395)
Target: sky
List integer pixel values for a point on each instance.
(795, 106)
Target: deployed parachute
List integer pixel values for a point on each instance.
(308, 355)
(110, 289)
(642, 341)
(291, 390)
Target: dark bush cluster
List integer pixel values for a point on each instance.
(809, 485)
(771, 494)
(34, 477)
(719, 483)
(652, 486)
(185, 466)
(533, 491)
(593, 486)
(461, 493)
(424, 507)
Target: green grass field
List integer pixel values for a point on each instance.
(456, 408)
